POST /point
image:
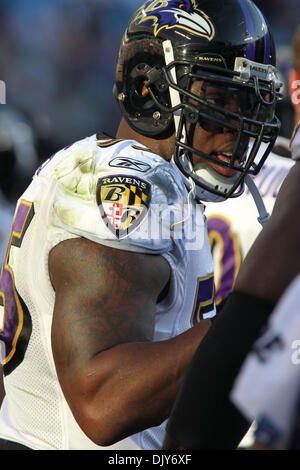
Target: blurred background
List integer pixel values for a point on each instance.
(57, 59)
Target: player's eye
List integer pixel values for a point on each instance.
(218, 99)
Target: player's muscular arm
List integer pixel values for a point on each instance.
(114, 378)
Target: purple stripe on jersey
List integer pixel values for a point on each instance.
(204, 299)
(13, 317)
(250, 48)
(21, 217)
(7, 335)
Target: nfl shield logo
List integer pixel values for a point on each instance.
(123, 201)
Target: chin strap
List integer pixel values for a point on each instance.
(263, 214)
(191, 195)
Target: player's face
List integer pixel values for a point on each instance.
(212, 139)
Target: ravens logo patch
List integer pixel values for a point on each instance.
(123, 201)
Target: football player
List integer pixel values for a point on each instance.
(268, 269)
(274, 357)
(230, 225)
(107, 282)
(232, 228)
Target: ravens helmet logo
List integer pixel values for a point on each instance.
(176, 14)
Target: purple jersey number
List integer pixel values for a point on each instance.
(204, 299)
(222, 238)
(16, 328)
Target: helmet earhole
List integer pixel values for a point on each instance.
(144, 91)
(140, 86)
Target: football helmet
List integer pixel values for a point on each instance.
(228, 47)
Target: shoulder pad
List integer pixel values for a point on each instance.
(136, 183)
(115, 190)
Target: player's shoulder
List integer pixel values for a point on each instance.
(129, 157)
(110, 189)
(126, 155)
(100, 160)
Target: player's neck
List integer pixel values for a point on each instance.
(163, 147)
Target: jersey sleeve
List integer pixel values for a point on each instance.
(117, 195)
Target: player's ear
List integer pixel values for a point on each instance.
(294, 87)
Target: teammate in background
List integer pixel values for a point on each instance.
(273, 362)
(261, 388)
(269, 268)
(230, 225)
(232, 228)
(294, 81)
(108, 272)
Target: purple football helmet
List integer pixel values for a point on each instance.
(168, 45)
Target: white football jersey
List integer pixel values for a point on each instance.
(233, 224)
(116, 193)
